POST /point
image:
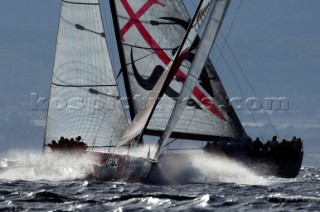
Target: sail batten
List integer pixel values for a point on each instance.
(85, 2)
(84, 93)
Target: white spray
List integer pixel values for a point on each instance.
(31, 165)
(217, 168)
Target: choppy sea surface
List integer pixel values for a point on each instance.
(30, 181)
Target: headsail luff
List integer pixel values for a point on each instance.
(207, 41)
(142, 118)
(84, 94)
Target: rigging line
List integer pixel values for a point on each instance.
(195, 111)
(163, 114)
(242, 92)
(117, 125)
(136, 60)
(193, 4)
(233, 22)
(165, 122)
(99, 128)
(247, 80)
(152, 53)
(119, 74)
(181, 140)
(173, 140)
(221, 55)
(148, 48)
(144, 72)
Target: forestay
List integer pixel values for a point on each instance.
(84, 94)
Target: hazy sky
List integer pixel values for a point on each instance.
(276, 42)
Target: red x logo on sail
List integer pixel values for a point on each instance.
(134, 21)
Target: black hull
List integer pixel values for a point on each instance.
(176, 168)
(288, 167)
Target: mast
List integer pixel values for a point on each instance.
(210, 34)
(84, 98)
(122, 60)
(142, 119)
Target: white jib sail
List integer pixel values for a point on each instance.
(84, 97)
(141, 119)
(210, 34)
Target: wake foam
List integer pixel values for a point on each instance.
(32, 166)
(214, 168)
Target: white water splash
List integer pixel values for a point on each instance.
(139, 151)
(210, 168)
(214, 168)
(30, 165)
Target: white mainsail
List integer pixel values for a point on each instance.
(207, 41)
(84, 97)
(153, 30)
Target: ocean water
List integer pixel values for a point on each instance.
(31, 181)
